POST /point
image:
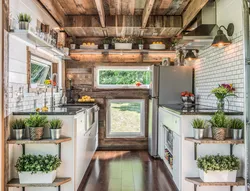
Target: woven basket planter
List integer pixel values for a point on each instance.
(219, 134)
(36, 133)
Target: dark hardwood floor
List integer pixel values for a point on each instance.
(126, 171)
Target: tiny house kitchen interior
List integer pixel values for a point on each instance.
(132, 95)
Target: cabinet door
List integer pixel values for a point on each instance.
(177, 160)
(161, 140)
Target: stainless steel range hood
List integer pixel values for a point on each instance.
(203, 29)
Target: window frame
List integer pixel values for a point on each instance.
(132, 135)
(123, 68)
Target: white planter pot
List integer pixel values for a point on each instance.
(37, 178)
(218, 176)
(123, 46)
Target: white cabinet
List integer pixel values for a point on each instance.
(177, 160)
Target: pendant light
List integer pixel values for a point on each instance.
(190, 55)
(221, 40)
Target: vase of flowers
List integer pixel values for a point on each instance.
(221, 93)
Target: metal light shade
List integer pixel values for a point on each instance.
(190, 55)
(220, 40)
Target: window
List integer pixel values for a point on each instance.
(40, 70)
(126, 118)
(122, 77)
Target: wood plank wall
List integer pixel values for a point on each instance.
(83, 80)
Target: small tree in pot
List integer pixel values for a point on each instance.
(199, 125)
(18, 127)
(140, 43)
(106, 41)
(36, 124)
(219, 125)
(37, 168)
(216, 168)
(55, 128)
(236, 126)
(24, 20)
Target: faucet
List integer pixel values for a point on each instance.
(52, 101)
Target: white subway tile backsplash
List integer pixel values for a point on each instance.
(221, 65)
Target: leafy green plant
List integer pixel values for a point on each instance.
(18, 124)
(37, 163)
(218, 162)
(123, 40)
(199, 124)
(219, 120)
(55, 124)
(106, 40)
(236, 124)
(23, 17)
(36, 121)
(140, 41)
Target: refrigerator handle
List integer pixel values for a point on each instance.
(151, 97)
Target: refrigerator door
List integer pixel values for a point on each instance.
(173, 81)
(153, 127)
(154, 85)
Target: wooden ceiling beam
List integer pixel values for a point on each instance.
(100, 9)
(192, 10)
(146, 12)
(124, 21)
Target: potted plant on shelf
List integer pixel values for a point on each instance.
(199, 125)
(123, 42)
(36, 124)
(219, 125)
(217, 168)
(18, 127)
(236, 126)
(106, 41)
(24, 20)
(55, 128)
(37, 169)
(221, 93)
(140, 43)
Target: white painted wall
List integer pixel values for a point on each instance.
(1, 93)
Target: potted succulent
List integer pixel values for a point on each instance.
(37, 169)
(24, 20)
(123, 42)
(55, 128)
(36, 124)
(106, 41)
(217, 168)
(236, 126)
(219, 125)
(221, 93)
(140, 43)
(199, 125)
(18, 127)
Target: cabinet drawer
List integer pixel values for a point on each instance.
(176, 121)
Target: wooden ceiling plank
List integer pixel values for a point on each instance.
(192, 10)
(146, 12)
(100, 9)
(55, 9)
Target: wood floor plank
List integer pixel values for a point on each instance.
(126, 171)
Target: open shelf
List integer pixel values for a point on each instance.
(42, 141)
(197, 181)
(102, 51)
(212, 141)
(57, 182)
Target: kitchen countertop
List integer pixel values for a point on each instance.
(55, 111)
(197, 109)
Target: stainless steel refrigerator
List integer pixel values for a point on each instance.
(167, 82)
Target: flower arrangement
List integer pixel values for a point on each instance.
(138, 84)
(222, 92)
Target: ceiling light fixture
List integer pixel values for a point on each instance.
(221, 40)
(190, 55)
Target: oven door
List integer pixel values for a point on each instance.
(91, 117)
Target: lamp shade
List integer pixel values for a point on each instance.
(190, 55)
(220, 40)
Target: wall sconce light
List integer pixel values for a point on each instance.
(221, 39)
(190, 55)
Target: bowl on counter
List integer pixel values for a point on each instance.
(188, 100)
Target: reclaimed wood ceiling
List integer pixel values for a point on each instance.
(100, 18)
